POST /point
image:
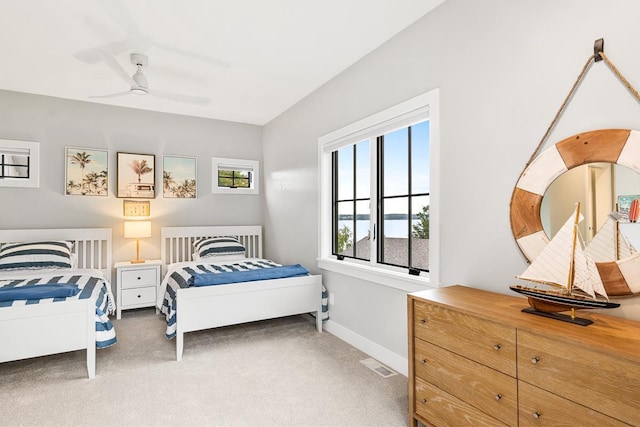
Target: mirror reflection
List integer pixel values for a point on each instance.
(604, 190)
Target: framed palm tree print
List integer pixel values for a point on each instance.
(136, 176)
(86, 172)
(179, 177)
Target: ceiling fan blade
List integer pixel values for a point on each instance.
(120, 15)
(113, 95)
(89, 56)
(194, 55)
(180, 97)
(116, 67)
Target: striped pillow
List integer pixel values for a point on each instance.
(218, 246)
(36, 255)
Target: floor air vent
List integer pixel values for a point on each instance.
(378, 368)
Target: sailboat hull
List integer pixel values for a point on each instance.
(551, 304)
(548, 301)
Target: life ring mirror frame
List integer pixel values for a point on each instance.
(619, 146)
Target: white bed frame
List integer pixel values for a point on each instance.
(213, 306)
(43, 329)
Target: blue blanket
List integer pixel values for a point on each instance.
(37, 292)
(209, 279)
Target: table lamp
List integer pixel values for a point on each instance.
(137, 230)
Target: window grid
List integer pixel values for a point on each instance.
(410, 195)
(377, 220)
(235, 179)
(5, 165)
(354, 211)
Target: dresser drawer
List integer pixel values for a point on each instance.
(139, 277)
(439, 408)
(541, 408)
(139, 296)
(604, 382)
(484, 341)
(480, 386)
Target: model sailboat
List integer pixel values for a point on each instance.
(571, 274)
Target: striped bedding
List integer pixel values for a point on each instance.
(181, 275)
(91, 282)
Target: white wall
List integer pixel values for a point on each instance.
(503, 68)
(56, 123)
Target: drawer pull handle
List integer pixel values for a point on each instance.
(139, 278)
(423, 361)
(497, 347)
(498, 396)
(534, 360)
(423, 321)
(424, 400)
(536, 415)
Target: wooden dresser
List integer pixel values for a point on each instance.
(476, 359)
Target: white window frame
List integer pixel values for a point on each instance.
(236, 164)
(25, 148)
(419, 108)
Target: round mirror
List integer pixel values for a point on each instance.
(605, 154)
(603, 190)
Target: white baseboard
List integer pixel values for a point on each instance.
(381, 354)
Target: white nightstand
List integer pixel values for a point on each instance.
(137, 284)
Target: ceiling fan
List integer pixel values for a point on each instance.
(138, 81)
(135, 39)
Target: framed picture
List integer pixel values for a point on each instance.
(86, 172)
(136, 208)
(629, 207)
(136, 176)
(179, 177)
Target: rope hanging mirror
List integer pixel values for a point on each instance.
(620, 277)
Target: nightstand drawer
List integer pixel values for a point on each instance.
(136, 296)
(139, 277)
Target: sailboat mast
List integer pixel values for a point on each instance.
(616, 240)
(572, 262)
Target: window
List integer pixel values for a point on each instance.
(379, 195)
(235, 176)
(19, 163)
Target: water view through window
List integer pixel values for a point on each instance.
(401, 211)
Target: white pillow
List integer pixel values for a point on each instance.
(218, 258)
(46, 254)
(218, 246)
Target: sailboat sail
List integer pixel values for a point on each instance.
(609, 244)
(587, 277)
(553, 265)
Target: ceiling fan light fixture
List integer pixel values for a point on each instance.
(139, 91)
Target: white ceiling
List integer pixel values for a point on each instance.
(252, 58)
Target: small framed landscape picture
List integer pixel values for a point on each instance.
(629, 207)
(179, 177)
(86, 172)
(136, 176)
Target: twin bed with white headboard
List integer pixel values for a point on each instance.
(32, 328)
(228, 304)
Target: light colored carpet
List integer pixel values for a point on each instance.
(277, 372)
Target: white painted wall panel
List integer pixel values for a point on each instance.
(503, 69)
